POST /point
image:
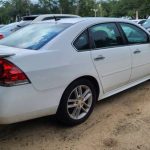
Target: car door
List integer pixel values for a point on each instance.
(111, 58)
(139, 43)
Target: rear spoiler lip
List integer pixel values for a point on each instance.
(4, 55)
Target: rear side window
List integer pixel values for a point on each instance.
(106, 35)
(82, 42)
(34, 36)
(134, 34)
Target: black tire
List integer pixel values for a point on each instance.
(62, 113)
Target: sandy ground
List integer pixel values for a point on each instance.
(121, 122)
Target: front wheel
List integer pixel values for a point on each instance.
(77, 102)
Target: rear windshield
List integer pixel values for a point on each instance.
(34, 36)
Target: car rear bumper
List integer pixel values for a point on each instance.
(20, 103)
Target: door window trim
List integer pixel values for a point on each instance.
(91, 42)
(90, 39)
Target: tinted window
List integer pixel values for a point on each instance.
(134, 34)
(106, 35)
(28, 18)
(82, 42)
(34, 36)
(48, 18)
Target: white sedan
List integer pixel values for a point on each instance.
(64, 67)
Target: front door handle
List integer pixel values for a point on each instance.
(100, 57)
(137, 52)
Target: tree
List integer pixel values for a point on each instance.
(85, 8)
(47, 6)
(10, 9)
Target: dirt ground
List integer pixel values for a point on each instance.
(121, 122)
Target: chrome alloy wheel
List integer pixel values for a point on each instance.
(79, 102)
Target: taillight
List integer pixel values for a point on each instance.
(1, 36)
(11, 75)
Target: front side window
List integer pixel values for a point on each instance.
(134, 34)
(106, 35)
(82, 42)
(34, 36)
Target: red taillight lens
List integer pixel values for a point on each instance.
(11, 75)
(1, 36)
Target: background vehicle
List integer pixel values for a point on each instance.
(45, 17)
(2, 26)
(29, 18)
(11, 28)
(140, 21)
(147, 25)
(56, 68)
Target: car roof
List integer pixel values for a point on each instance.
(49, 15)
(41, 17)
(88, 20)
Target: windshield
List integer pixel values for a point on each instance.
(34, 36)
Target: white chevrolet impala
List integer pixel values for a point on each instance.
(64, 67)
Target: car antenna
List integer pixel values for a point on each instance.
(56, 19)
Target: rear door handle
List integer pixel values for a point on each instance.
(100, 57)
(137, 52)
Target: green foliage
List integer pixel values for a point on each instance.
(86, 7)
(119, 8)
(11, 9)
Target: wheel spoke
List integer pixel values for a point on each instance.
(80, 90)
(72, 100)
(78, 112)
(85, 93)
(76, 93)
(72, 106)
(84, 109)
(74, 112)
(87, 97)
(86, 105)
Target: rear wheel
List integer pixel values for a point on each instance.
(77, 102)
